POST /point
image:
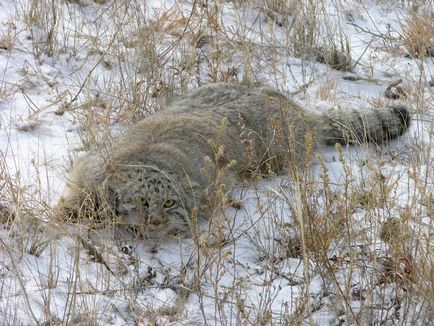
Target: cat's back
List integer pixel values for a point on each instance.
(198, 116)
(224, 97)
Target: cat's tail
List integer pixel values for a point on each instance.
(374, 125)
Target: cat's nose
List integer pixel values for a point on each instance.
(157, 219)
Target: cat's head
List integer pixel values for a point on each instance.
(152, 202)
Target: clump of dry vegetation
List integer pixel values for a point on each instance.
(417, 33)
(311, 247)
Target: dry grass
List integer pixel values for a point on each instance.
(417, 34)
(367, 244)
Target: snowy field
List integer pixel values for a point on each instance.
(349, 241)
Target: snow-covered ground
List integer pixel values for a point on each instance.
(347, 242)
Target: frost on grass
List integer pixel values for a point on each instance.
(348, 240)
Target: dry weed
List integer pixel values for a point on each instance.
(417, 35)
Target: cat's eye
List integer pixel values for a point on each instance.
(169, 203)
(143, 202)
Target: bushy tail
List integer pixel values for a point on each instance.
(374, 125)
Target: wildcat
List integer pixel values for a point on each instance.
(158, 175)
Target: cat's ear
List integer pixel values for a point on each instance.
(190, 186)
(192, 189)
(77, 203)
(105, 201)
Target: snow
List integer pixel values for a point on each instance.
(253, 278)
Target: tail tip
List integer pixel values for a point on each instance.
(403, 114)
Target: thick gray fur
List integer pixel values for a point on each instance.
(170, 157)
